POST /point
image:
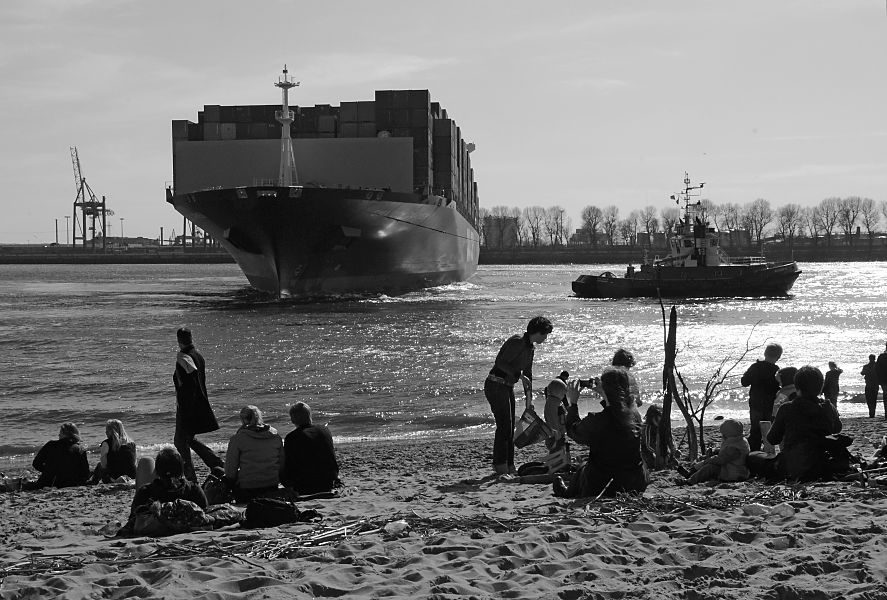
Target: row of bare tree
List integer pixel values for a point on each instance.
(538, 226)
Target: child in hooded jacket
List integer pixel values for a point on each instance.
(729, 462)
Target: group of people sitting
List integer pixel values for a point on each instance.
(257, 461)
(619, 461)
(63, 462)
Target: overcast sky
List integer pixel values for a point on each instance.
(568, 103)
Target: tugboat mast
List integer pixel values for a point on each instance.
(287, 174)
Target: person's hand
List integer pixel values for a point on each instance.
(573, 391)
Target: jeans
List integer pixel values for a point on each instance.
(501, 399)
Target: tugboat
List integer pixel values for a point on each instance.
(695, 267)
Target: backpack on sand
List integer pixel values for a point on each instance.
(269, 512)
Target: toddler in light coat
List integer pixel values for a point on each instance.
(729, 462)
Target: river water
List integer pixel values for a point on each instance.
(93, 342)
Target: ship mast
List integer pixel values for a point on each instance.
(287, 175)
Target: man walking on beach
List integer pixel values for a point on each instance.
(881, 370)
(760, 378)
(194, 415)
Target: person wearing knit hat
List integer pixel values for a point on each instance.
(194, 415)
(555, 408)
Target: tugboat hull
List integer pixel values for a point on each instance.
(765, 279)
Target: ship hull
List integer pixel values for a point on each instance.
(765, 279)
(299, 240)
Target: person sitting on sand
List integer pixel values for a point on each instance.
(624, 358)
(169, 483)
(254, 459)
(727, 463)
(62, 462)
(117, 454)
(310, 464)
(801, 426)
(787, 390)
(555, 410)
(613, 437)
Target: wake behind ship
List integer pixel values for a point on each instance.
(369, 196)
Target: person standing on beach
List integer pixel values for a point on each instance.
(871, 386)
(881, 370)
(514, 363)
(831, 388)
(760, 378)
(194, 415)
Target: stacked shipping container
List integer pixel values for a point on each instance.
(441, 158)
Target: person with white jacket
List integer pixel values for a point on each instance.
(254, 460)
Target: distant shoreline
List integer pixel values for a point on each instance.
(29, 254)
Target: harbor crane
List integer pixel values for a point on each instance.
(92, 217)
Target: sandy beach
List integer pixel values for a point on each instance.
(468, 534)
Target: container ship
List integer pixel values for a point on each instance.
(695, 267)
(370, 196)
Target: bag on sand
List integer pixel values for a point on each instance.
(217, 490)
(169, 518)
(530, 429)
(269, 512)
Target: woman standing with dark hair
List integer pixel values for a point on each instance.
(613, 437)
(62, 462)
(514, 363)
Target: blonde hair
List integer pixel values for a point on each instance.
(251, 416)
(117, 435)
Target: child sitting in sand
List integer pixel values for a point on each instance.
(787, 390)
(555, 410)
(728, 464)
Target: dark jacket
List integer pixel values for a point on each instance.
(870, 374)
(157, 491)
(881, 368)
(761, 376)
(310, 464)
(193, 413)
(514, 359)
(121, 461)
(614, 451)
(801, 426)
(62, 463)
